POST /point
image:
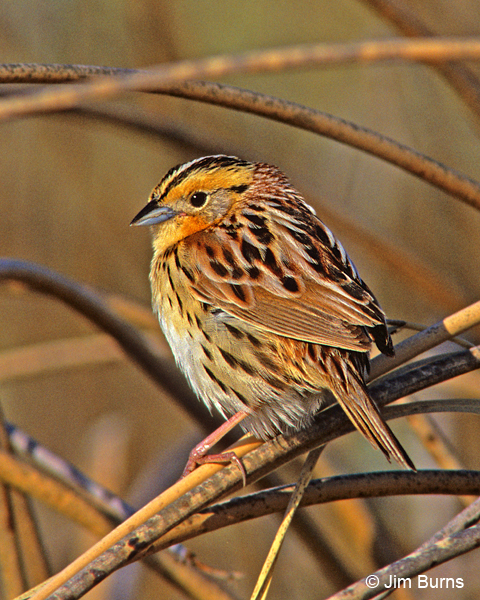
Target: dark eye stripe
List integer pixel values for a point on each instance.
(181, 172)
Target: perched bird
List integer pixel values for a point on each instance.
(265, 313)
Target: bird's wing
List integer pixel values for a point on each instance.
(291, 279)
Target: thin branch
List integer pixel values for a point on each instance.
(417, 274)
(58, 355)
(331, 424)
(340, 577)
(426, 282)
(91, 506)
(455, 539)
(46, 462)
(209, 519)
(400, 325)
(435, 442)
(265, 578)
(134, 344)
(29, 552)
(437, 445)
(444, 369)
(430, 49)
(321, 491)
(463, 79)
(423, 374)
(11, 564)
(425, 340)
(27, 479)
(171, 79)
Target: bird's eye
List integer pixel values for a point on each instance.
(198, 199)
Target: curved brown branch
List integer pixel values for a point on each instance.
(87, 303)
(93, 513)
(440, 332)
(416, 274)
(330, 424)
(172, 78)
(395, 386)
(459, 76)
(321, 491)
(455, 539)
(345, 132)
(12, 559)
(430, 49)
(269, 501)
(420, 277)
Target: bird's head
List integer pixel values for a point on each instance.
(194, 196)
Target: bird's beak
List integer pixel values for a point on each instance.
(153, 214)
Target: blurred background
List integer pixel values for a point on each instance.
(70, 185)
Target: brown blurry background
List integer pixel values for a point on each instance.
(71, 184)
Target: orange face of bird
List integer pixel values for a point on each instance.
(192, 197)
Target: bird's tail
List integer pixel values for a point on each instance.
(352, 395)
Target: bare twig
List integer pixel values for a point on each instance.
(11, 564)
(265, 578)
(133, 343)
(456, 538)
(20, 568)
(435, 443)
(58, 355)
(27, 479)
(430, 49)
(171, 79)
(435, 335)
(463, 79)
(98, 511)
(320, 491)
(269, 455)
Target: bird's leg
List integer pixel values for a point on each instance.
(198, 455)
